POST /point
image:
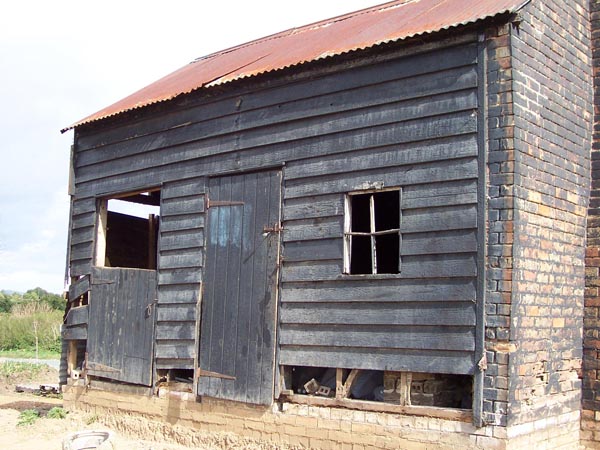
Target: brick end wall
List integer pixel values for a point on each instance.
(590, 418)
(552, 116)
(500, 227)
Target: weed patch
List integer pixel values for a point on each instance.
(56, 413)
(28, 417)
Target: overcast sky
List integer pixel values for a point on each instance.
(63, 60)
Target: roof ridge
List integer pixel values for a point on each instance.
(304, 28)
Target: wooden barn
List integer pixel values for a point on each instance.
(380, 213)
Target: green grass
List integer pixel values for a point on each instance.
(29, 353)
(12, 369)
(28, 417)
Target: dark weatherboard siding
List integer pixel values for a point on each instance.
(407, 121)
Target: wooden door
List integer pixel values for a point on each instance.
(121, 324)
(238, 324)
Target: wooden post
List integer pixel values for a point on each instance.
(71, 357)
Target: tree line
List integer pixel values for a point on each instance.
(36, 296)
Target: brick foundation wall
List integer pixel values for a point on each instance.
(552, 116)
(183, 420)
(590, 420)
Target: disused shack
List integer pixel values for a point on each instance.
(310, 218)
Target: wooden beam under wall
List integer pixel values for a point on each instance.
(152, 228)
(462, 415)
(71, 357)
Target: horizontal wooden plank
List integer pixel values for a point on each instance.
(179, 293)
(165, 363)
(426, 361)
(311, 271)
(469, 198)
(84, 220)
(439, 219)
(429, 192)
(374, 289)
(75, 333)
(181, 222)
(314, 250)
(82, 235)
(183, 188)
(79, 287)
(313, 207)
(176, 331)
(180, 240)
(283, 92)
(439, 242)
(387, 177)
(77, 316)
(84, 205)
(182, 205)
(395, 155)
(414, 313)
(80, 267)
(181, 258)
(399, 337)
(176, 313)
(318, 228)
(429, 266)
(181, 350)
(85, 250)
(180, 276)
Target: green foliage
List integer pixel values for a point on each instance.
(11, 369)
(38, 296)
(56, 413)
(26, 323)
(28, 417)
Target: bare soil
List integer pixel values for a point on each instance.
(129, 432)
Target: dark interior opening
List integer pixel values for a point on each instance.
(387, 210)
(372, 214)
(132, 225)
(387, 387)
(360, 261)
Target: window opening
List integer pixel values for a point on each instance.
(372, 233)
(128, 231)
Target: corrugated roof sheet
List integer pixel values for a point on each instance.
(362, 29)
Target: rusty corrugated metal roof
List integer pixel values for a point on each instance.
(362, 29)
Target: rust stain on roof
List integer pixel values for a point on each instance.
(393, 21)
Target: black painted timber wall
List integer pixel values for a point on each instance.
(398, 116)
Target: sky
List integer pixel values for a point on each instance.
(63, 60)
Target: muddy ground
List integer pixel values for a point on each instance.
(132, 434)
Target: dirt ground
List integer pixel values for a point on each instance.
(49, 434)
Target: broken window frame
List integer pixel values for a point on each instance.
(373, 233)
(100, 252)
